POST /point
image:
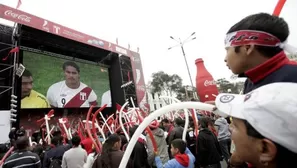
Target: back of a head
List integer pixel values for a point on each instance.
(265, 22)
(179, 121)
(204, 122)
(112, 139)
(75, 140)
(180, 145)
(22, 143)
(55, 141)
(107, 148)
(165, 120)
(132, 130)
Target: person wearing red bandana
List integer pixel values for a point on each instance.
(256, 48)
(183, 158)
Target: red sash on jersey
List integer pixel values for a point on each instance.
(76, 101)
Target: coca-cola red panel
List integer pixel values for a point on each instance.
(27, 19)
(205, 84)
(139, 82)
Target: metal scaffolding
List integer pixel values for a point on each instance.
(8, 67)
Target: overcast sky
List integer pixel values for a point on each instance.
(149, 24)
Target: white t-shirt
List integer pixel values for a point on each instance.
(106, 99)
(60, 95)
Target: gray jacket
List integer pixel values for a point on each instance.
(162, 147)
(223, 129)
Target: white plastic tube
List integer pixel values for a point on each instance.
(47, 118)
(121, 122)
(154, 115)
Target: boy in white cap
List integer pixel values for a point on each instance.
(264, 124)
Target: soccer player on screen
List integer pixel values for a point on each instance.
(31, 98)
(71, 92)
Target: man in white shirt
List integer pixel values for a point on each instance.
(106, 99)
(76, 156)
(71, 92)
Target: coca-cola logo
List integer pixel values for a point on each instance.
(208, 83)
(24, 18)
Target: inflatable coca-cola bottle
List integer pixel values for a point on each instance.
(205, 84)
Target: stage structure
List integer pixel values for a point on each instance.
(41, 36)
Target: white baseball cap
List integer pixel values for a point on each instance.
(270, 109)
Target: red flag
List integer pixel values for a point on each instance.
(19, 4)
(117, 41)
(14, 50)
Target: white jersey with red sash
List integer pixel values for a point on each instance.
(60, 95)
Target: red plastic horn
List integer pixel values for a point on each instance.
(278, 8)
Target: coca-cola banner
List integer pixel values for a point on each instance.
(27, 19)
(205, 84)
(139, 81)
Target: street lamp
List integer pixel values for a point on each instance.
(181, 44)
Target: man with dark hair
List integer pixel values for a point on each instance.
(182, 156)
(139, 156)
(31, 98)
(208, 149)
(76, 156)
(55, 154)
(255, 49)
(71, 92)
(22, 156)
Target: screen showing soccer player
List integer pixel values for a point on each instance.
(66, 83)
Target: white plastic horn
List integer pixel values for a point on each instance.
(156, 114)
(121, 121)
(97, 126)
(61, 121)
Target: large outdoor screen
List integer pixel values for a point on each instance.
(55, 81)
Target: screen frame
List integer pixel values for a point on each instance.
(60, 56)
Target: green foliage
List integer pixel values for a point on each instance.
(163, 82)
(225, 86)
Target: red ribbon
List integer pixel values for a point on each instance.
(14, 50)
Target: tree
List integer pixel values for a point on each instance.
(165, 83)
(186, 93)
(225, 86)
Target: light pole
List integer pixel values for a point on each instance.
(181, 44)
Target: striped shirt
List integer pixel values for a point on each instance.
(22, 159)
